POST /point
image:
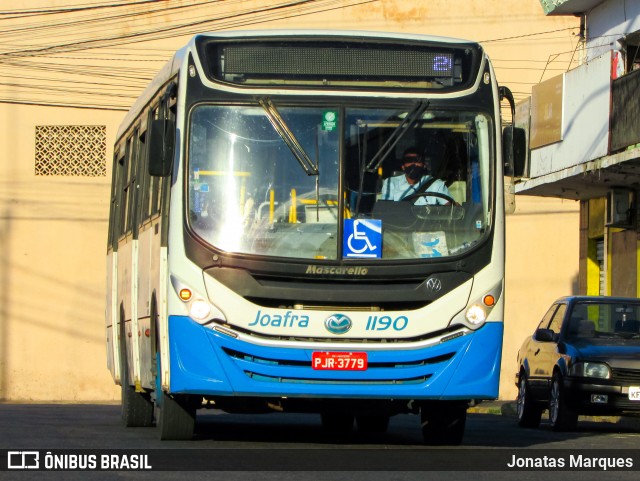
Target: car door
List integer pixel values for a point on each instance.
(540, 354)
(547, 354)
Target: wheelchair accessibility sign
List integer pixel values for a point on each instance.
(362, 238)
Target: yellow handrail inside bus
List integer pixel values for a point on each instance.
(235, 173)
(293, 214)
(243, 193)
(272, 203)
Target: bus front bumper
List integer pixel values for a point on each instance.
(209, 363)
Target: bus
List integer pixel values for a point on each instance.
(253, 262)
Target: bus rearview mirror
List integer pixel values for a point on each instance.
(514, 151)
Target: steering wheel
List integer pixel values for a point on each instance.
(446, 197)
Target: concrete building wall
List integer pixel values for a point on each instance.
(541, 265)
(53, 227)
(609, 22)
(583, 111)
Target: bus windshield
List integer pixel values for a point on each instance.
(249, 192)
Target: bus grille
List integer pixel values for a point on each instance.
(260, 377)
(283, 370)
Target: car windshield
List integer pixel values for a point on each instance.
(287, 181)
(605, 322)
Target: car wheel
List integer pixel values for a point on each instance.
(529, 412)
(561, 416)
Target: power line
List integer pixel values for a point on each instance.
(86, 20)
(73, 9)
(77, 105)
(74, 25)
(535, 34)
(52, 86)
(255, 16)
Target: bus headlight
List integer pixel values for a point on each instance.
(199, 310)
(197, 306)
(476, 315)
(477, 312)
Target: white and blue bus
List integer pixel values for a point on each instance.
(253, 262)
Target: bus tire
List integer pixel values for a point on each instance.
(373, 423)
(443, 423)
(175, 418)
(137, 408)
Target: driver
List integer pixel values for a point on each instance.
(414, 180)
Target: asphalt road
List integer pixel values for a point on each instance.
(293, 446)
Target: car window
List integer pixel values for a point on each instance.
(556, 322)
(544, 323)
(607, 321)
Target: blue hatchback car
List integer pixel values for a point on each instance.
(583, 358)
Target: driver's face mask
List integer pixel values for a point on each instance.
(414, 171)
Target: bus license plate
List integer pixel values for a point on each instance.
(339, 361)
(634, 393)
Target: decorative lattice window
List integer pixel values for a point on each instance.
(71, 150)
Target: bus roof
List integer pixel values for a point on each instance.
(333, 33)
(173, 65)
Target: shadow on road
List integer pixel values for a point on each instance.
(98, 426)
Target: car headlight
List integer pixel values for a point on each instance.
(591, 369)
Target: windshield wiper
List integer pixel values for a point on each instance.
(410, 119)
(362, 160)
(287, 136)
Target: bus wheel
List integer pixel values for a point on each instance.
(137, 408)
(336, 424)
(175, 417)
(373, 424)
(443, 423)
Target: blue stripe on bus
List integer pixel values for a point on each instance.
(206, 362)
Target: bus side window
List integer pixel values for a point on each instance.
(127, 194)
(154, 189)
(114, 220)
(143, 176)
(135, 213)
(122, 195)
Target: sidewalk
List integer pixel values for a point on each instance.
(508, 409)
(505, 408)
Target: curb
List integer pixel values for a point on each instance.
(508, 409)
(504, 408)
